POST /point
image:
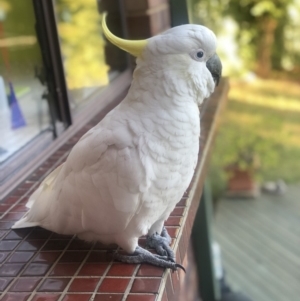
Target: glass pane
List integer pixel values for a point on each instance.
(89, 62)
(23, 112)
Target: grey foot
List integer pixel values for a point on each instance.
(141, 255)
(161, 243)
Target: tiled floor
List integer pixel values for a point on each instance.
(48, 266)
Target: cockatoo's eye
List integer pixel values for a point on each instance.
(198, 55)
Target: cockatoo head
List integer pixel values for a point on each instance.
(187, 50)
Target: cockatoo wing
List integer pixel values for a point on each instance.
(97, 189)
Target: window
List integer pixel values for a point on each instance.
(54, 64)
(24, 112)
(89, 62)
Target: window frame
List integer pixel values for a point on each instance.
(20, 165)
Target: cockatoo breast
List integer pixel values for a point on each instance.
(162, 111)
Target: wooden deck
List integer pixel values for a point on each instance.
(260, 242)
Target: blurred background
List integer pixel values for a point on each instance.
(255, 166)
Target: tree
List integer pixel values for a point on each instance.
(259, 22)
(263, 17)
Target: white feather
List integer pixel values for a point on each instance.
(124, 177)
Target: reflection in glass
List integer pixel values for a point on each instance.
(83, 49)
(23, 112)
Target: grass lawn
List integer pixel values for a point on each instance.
(262, 118)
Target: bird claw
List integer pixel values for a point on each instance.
(165, 257)
(177, 265)
(161, 244)
(144, 256)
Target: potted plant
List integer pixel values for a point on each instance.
(238, 159)
(241, 180)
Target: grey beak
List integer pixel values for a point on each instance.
(214, 65)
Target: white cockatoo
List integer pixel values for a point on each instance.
(124, 176)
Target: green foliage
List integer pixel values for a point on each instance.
(244, 147)
(250, 17)
(82, 45)
(261, 125)
(260, 131)
(207, 13)
(17, 62)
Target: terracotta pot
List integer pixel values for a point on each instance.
(241, 183)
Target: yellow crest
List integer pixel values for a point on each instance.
(133, 47)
